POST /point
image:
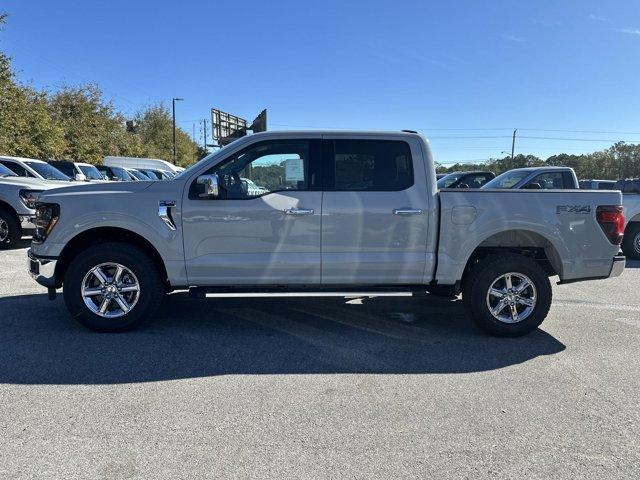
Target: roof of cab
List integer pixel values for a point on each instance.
(21, 159)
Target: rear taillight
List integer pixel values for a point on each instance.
(611, 221)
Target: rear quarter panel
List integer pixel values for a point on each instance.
(469, 218)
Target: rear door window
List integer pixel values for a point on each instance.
(368, 165)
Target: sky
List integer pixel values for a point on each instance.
(566, 74)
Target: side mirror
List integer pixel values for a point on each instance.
(533, 186)
(80, 177)
(210, 182)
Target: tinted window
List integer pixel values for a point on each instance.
(371, 165)
(449, 180)
(120, 173)
(66, 168)
(5, 172)
(475, 180)
(47, 171)
(138, 175)
(548, 181)
(266, 167)
(90, 172)
(605, 185)
(16, 168)
(508, 179)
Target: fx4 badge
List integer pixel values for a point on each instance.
(573, 209)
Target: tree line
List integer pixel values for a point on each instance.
(621, 160)
(77, 123)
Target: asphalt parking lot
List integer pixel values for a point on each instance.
(320, 388)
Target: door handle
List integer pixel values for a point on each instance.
(298, 211)
(407, 211)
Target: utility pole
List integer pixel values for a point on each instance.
(205, 134)
(173, 104)
(513, 146)
(193, 137)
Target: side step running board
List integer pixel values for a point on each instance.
(213, 292)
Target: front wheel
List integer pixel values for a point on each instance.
(507, 295)
(631, 241)
(10, 230)
(112, 287)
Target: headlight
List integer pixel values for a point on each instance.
(47, 215)
(29, 197)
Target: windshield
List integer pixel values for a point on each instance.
(47, 171)
(5, 172)
(139, 175)
(91, 172)
(449, 180)
(507, 179)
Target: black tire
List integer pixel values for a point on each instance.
(9, 221)
(631, 241)
(481, 277)
(150, 282)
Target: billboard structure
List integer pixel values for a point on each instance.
(227, 127)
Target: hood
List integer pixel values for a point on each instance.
(95, 188)
(31, 183)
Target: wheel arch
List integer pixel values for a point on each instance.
(519, 241)
(98, 235)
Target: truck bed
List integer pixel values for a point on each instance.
(562, 222)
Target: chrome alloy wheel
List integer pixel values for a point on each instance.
(4, 230)
(511, 297)
(110, 290)
(636, 240)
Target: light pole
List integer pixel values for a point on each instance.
(173, 104)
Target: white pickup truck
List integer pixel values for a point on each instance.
(337, 212)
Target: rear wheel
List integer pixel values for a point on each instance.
(112, 287)
(631, 241)
(507, 295)
(10, 230)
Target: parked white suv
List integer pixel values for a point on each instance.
(32, 168)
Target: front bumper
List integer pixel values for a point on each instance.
(43, 270)
(28, 222)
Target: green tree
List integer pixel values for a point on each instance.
(91, 127)
(154, 126)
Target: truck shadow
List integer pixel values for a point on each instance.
(40, 344)
(633, 263)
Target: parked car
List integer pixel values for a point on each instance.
(137, 175)
(18, 197)
(536, 178)
(345, 210)
(90, 172)
(79, 171)
(156, 174)
(465, 179)
(141, 164)
(114, 174)
(628, 186)
(631, 202)
(597, 184)
(32, 168)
